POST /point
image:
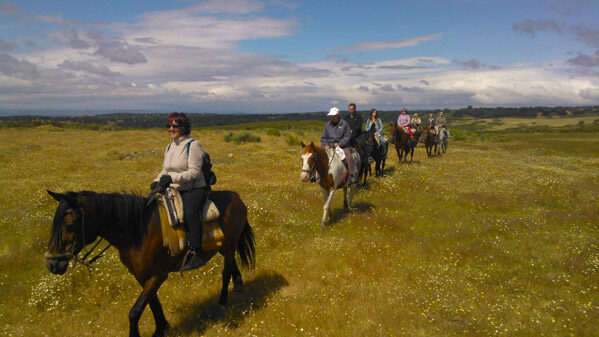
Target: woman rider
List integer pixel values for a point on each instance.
(404, 121)
(182, 169)
(378, 126)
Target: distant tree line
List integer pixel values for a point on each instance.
(157, 120)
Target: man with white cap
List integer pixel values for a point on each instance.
(336, 132)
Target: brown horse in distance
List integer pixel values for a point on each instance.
(132, 226)
(403, 143)
(430, 141)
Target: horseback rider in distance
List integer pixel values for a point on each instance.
(404, 121)
(441, 123)
(354, 121)
(337, 133)
(182, 169)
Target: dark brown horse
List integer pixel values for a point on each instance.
(430, 141)
(132, 225)
(403, 143)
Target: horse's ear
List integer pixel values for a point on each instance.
(312, 144)
(56, 196)
(302, 144)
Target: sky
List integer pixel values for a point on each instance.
(273, 56)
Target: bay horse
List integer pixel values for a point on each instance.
(359, 144)
(330, 173)
(430, 141)
(376, 151)
(132, 225)
(403, 143)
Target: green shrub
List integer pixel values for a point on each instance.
(273, 132)
(242, 137)
(292, 140)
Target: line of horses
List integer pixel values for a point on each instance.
(131, 223)
(331, 174)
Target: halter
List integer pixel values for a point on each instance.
(75, 257)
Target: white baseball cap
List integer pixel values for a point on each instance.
(333, 111)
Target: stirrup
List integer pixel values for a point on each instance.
(192, 260)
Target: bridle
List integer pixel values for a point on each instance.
(71, 255)
(312, 172)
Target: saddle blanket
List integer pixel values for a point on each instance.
(174, 237)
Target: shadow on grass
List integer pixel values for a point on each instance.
(203, 315)
(340, 213)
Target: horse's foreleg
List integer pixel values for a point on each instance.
(149, 290)
(345, 204)
(326, 216)
(159, 319)
(135, 314)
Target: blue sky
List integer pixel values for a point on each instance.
(285, 56)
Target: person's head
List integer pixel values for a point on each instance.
(440, 113)
(430, 116)
(415, 115)
(178, 125)
(404, 111)
(334, 114)
(352, 108)
(374, 114)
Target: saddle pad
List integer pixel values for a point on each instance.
(175, 238)
(212, 236)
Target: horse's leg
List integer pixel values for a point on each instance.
(326, 208)
(237, 280)
(149, 290)
(227, 273)
(159, 319)
(351, 197)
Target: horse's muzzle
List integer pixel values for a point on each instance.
(57, 264)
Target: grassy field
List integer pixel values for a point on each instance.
(496, 124)
(491, 239)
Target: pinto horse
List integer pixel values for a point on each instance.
(430, 140)
(132, 225)
(330, 173)
(403, 143)
(376, 150)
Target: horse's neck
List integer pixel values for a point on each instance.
(322, 164)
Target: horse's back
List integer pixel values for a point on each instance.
(227, 199)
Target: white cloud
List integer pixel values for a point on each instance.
(189, 60)
(385, 44)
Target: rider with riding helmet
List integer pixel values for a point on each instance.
(182, 169)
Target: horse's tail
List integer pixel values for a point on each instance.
(245, 247)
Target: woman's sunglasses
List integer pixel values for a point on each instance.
(168, 126)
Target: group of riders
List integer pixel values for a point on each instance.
(345, 132)
(184, 160)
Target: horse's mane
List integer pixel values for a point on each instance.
(125, 212)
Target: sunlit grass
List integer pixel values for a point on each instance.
(493, 238)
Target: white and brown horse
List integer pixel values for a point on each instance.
(326, 168)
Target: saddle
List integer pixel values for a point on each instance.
(172, 219)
